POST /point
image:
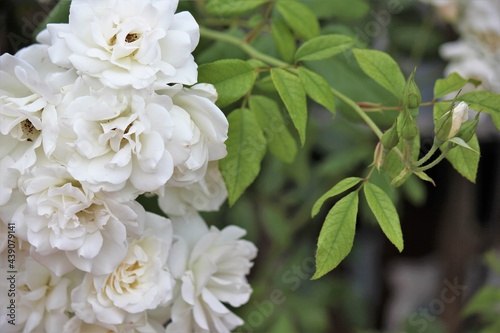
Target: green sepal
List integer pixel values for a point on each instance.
(390, 138)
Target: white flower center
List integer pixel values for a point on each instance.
(127, 276)
(132, 37)
(30, 133)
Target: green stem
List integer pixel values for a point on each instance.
(359, 111)
(223, 37)
(251, 51)
(437, 160)
(429, 154)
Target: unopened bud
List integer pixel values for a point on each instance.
(448, 125)
(378, 156)
(390, 138)
(468, 129)
(401, 177)
(460, 113)
(407, 126)
(412, 97)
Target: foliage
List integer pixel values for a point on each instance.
(485, 302)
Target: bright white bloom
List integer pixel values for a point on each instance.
(127, 141)
(209, 126)
(27, 119)
(41, 300)
(138, 43)
(72, 227)
(140, 282)
(210, 266)
(206, 195)
(144, 325)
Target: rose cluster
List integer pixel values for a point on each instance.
(106, 108)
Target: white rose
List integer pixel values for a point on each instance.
(72, 227)
(206, 195)
(459, 115)
(140, 282)
(127, 141)
(142, 325)
(41, 300)
(123, 43)
(27, 118)
(209, 126)
(210, 266)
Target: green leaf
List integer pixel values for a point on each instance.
(382, 69)
(317, 88)
(496, 120)
(280, 142)
(439, 110)
(340, 187)
(233, 78)
(282, 36)
(255, 63)
(59, 14)
(460, 142)
(485, 300)
(343, 9)
(266, 84)
(323, 47)
(299, 18)
(385, 213)
(232, 7)
(337, 235)
(292, 93)
(448, 85)
(464, 160)
(485, 101)
(422, 175)
(246, 146)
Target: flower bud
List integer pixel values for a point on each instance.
(442, 127)
(412, 97)
(379, 155)
(407, 126)
(401, 177)
(390, 138)
(448, 125)
(460, 114)
(468, 129)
